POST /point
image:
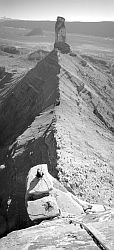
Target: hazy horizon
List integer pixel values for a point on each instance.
(72, 10)
(47, 20)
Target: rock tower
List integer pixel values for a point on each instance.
(60, 30)
(60, 36)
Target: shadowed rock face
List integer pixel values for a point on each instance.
(112, 69)
(27, 97)
(73, 225)
(59, 113)
(21, 104)
(2, 72)
(63, 47)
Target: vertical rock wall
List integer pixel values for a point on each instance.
(60, 30)
(60, 36)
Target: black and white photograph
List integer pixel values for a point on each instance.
(56, 124)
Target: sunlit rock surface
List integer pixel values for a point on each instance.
(60, 113)
(39, 198)
(63, 233)
(71, 223)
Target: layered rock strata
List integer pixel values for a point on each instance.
(60, 113)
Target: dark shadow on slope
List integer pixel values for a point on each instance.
(28, 97)
(100, 117)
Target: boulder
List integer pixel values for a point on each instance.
(63, 47)
(39, 199)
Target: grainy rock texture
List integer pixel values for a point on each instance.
(84, 129)
(60, 234)
(59, 113)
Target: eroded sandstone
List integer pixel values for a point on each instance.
(60, 113)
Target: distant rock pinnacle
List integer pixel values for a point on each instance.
(60, 36)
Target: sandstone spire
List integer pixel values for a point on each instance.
(60, 30)
(60, 36)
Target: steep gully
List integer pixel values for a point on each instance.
(35, 125)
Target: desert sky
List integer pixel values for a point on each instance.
(72, 10)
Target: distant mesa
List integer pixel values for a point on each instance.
(35, 32)
(9, 49)
(60, 36)
(101, 29)
(38, 55)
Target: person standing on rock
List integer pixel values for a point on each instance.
(39, 174)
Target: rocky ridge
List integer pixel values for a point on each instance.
(59, 113)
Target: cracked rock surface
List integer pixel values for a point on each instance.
(59, 113)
